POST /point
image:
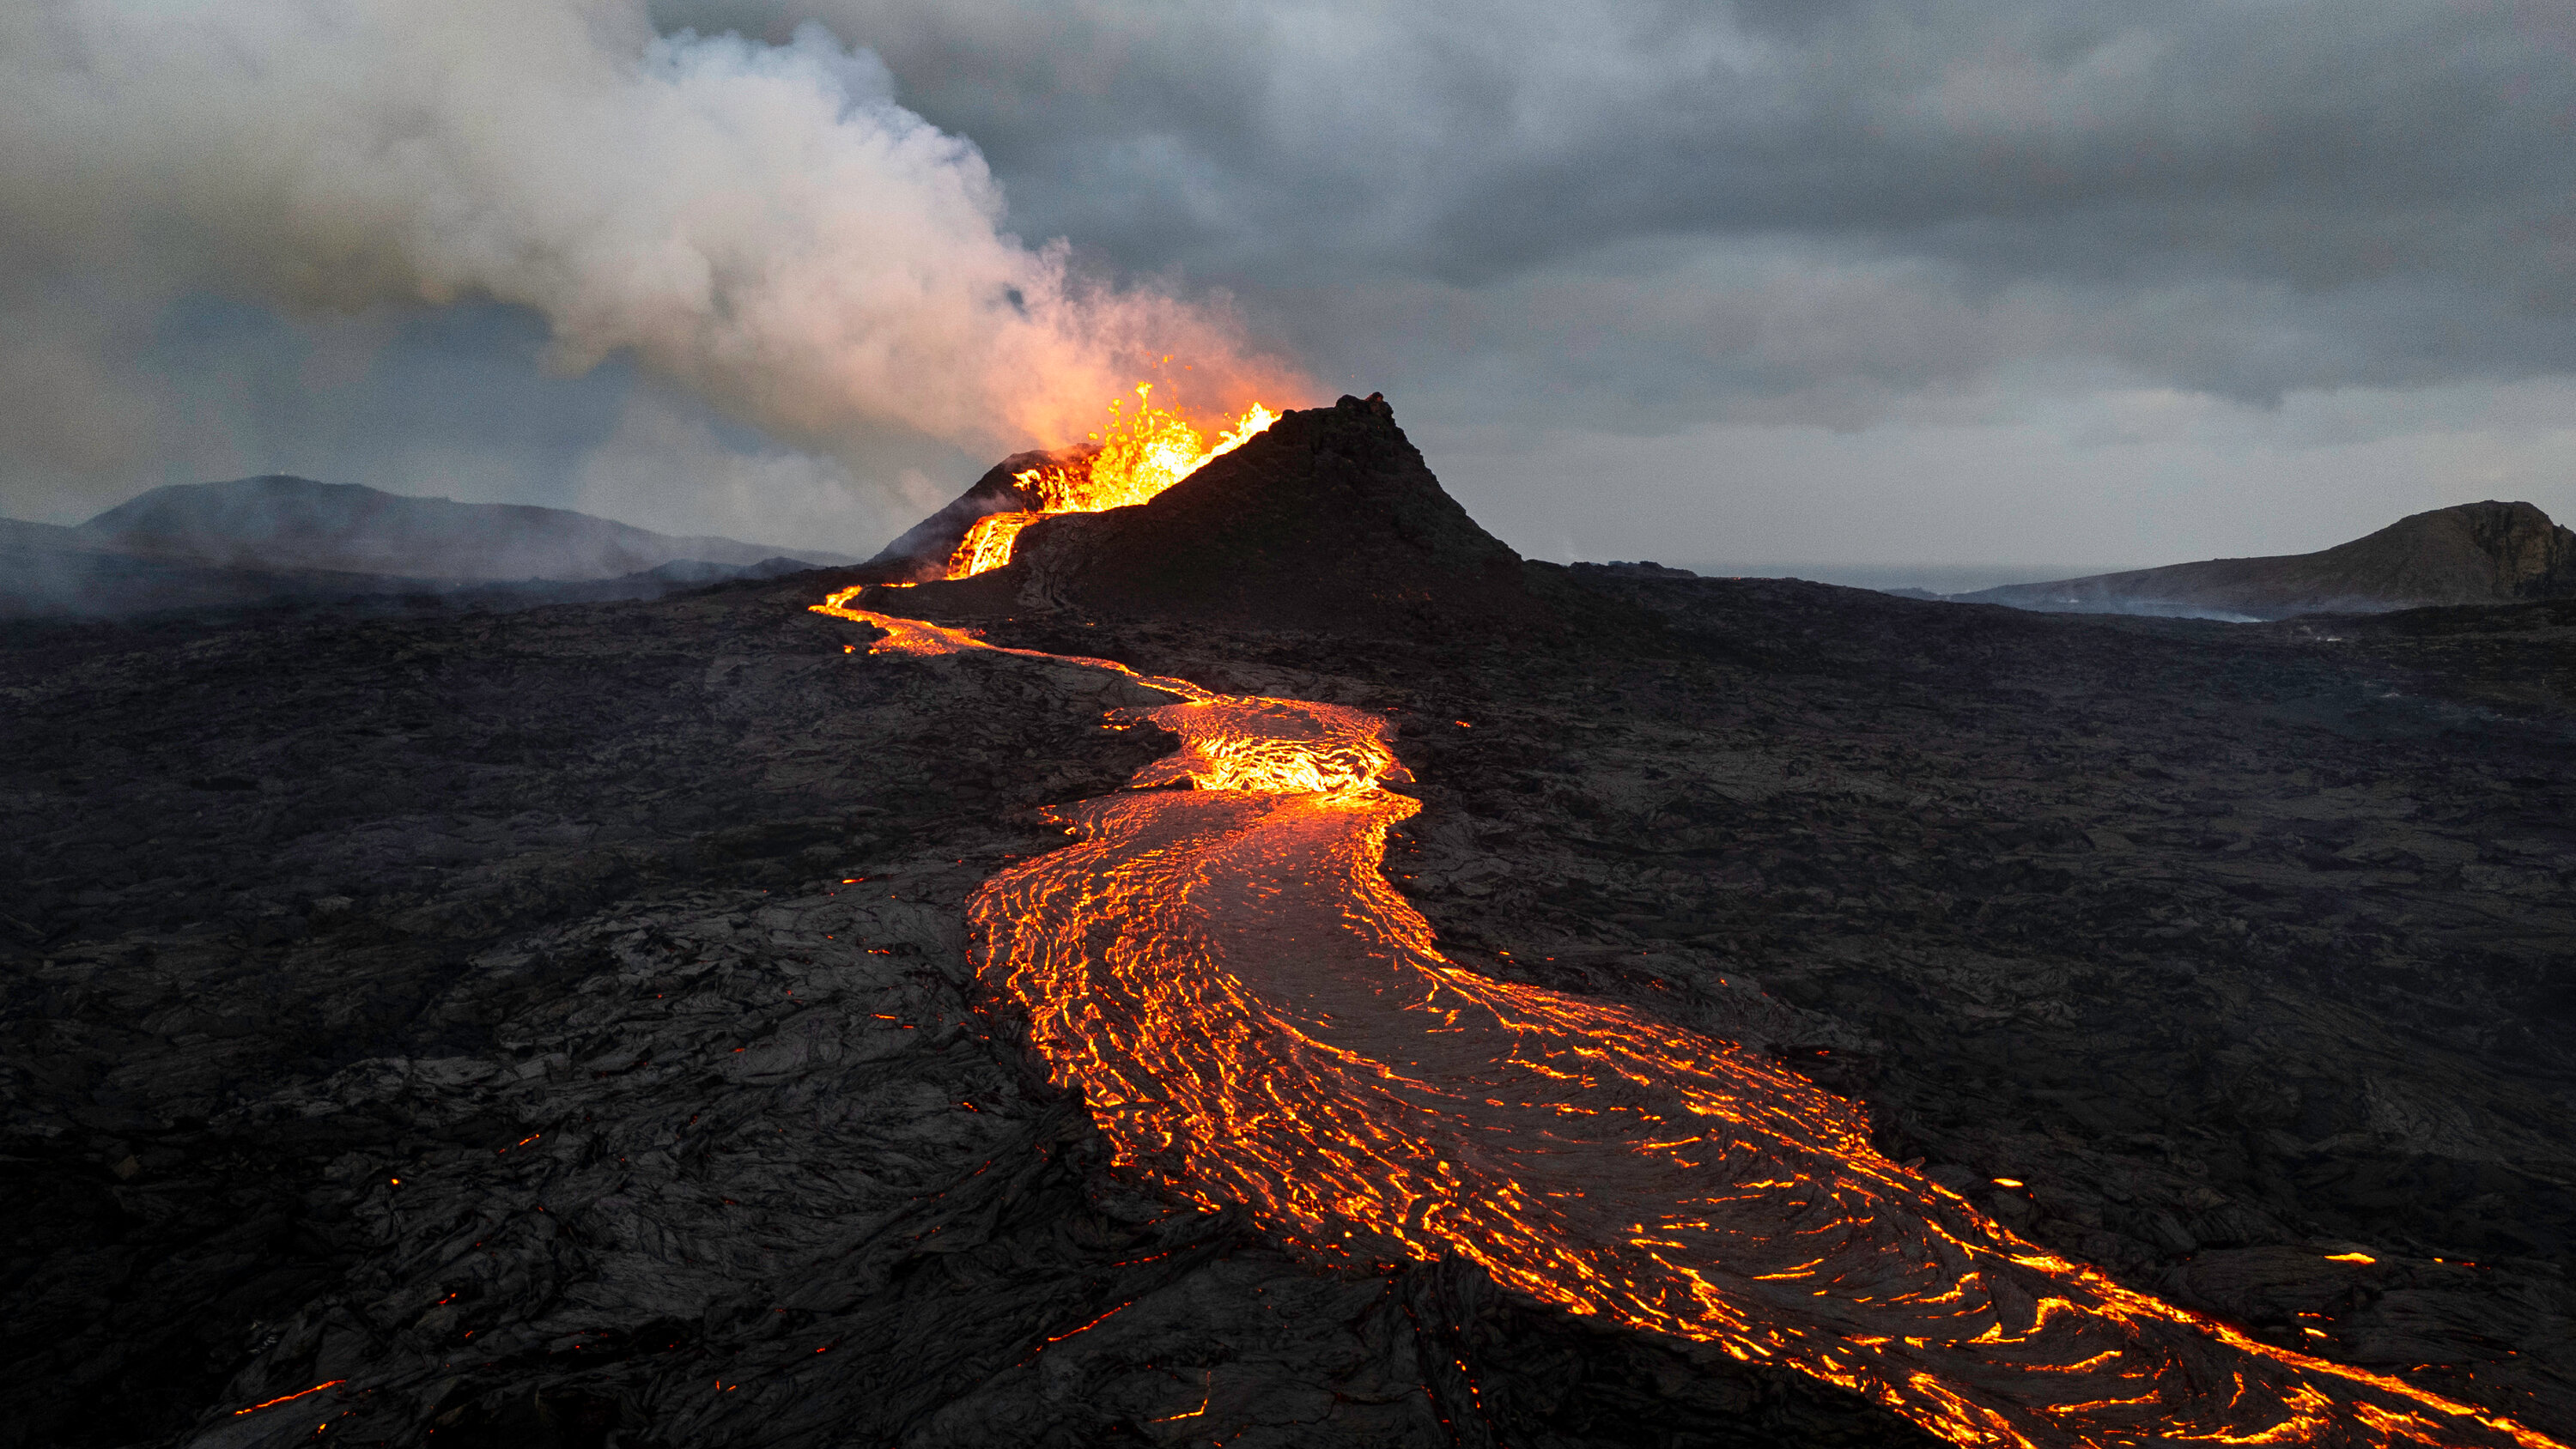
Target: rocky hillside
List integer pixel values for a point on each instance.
(2475, 553)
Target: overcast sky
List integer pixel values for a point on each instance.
(1872, 282)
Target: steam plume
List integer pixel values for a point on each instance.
(760, 223)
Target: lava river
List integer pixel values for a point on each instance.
(1256, 1017)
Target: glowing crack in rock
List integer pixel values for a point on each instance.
(1255, 1016)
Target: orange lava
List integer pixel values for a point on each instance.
(287, 1398)
(1255, 1016)
(1144, 453)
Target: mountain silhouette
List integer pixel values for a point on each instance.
(2475, 553)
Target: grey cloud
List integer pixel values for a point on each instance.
(1651, 216)
(2388, 180)
(1671, 333)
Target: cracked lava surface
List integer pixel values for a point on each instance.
(1255, 1016)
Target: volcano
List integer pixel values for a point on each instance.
(1328, 519)
(2475, 553)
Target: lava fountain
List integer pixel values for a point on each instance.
(1255, 1016)
(1142, 453)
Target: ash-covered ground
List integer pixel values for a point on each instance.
(554, 1026)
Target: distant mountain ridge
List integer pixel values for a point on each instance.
(275, 540)
(282, 522)
(2473, 553)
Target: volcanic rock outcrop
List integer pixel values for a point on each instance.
(2475, 553)
(1329, 519)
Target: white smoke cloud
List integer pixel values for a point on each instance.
(761, 224)
(664, 468)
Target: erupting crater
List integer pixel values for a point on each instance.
(1255, 1016)
(1143, 453)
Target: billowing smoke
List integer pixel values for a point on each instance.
(761, 224)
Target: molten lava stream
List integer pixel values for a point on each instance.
(1255, 1016)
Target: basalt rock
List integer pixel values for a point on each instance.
(630, 939)
(555, 1029)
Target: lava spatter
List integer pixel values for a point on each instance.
(1256, 1017)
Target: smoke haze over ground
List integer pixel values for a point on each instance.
(1972, 282)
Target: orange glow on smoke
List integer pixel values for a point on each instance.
(1255, 1016)
(1145, 452)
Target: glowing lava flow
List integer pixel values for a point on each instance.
(1145, 453)
(1255, 1016)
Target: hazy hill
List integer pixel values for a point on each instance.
(279, 540)
(2475, 553)
(280, 522)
